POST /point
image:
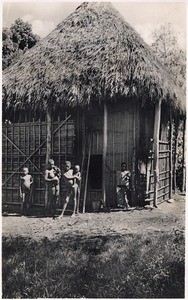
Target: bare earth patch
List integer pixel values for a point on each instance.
(167, 217)
(120, 254)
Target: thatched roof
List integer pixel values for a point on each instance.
(92, 55)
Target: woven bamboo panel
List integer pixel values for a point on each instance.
(24, 139)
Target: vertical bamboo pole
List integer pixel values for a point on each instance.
(175, 152)
(184, 155)
(105, 128)
(157, 122)
(133, 181)
(170, 155)
(48, 145)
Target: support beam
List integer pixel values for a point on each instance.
(35, 151)
(170, 154)
(48, 145)
(183, 159)
(175, 152)
(157, 122)
(105, 128)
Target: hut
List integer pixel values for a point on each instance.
(92, 92)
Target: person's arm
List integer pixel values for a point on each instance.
(31, 180)
(127, 174)
(46, 176)
(78, 176)
(21, 187)
(57, 171)
(69, 176)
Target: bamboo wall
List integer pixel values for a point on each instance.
(24, 139)
(164, 159)
(130, 130)
(130, 134)
(123, 139)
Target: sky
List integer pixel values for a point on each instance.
(145, 17)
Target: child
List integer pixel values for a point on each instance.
(52, 177)
(77, 179)
(123, 182)
(77, 174)
(25, 189)
(72, 187)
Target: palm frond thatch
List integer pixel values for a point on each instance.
(92, 55)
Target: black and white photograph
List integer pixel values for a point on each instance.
(93, 149)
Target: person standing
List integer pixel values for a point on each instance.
(122, 186)
(25, 190)
(72, 187)
(52, 177)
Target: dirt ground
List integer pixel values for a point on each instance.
(167, 217)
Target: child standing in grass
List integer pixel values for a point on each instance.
(122, 186)
(25, 190)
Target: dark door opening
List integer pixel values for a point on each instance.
(95, 172)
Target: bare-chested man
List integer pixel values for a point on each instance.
(52, 177)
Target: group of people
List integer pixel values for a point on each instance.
(72, 178)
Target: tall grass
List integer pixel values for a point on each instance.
(129, 266)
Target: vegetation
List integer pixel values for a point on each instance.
(173, 58)
(130, 266)
(16, 40)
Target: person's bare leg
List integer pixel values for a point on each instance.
(78, 200)
(126, 201)
(57, 197)
(74, 210)
(64, 206)
(23, 203)
(75, 189)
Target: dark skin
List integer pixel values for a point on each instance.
(53, 182)
(69, 179)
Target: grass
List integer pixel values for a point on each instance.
(129, 266)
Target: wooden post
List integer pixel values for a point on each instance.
(157, 122)
(133, 177)
(48, 146)
(170, 156)
(175, 152)
(105, 128)
(183, 159)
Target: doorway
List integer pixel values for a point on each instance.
(95, 172)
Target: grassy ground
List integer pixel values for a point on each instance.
(130, 266)
(137, 254)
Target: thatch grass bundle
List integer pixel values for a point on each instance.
(91, 56)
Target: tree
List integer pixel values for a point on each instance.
(173, 58)
(16, 40)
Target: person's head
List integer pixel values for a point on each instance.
(123, 166)
(25, 171)
(67, 165)
(77, 168)
(51, 163)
